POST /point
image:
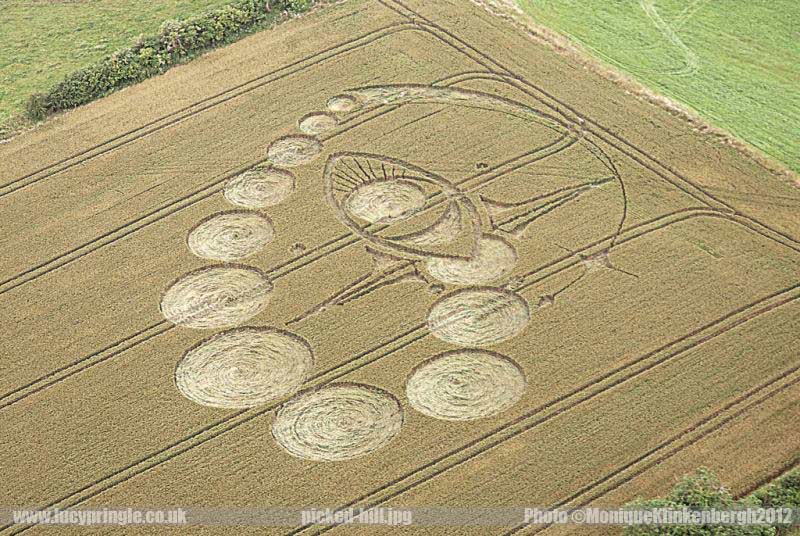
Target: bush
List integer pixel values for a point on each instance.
(783, 493)
(175, 41)
(704, 491)
(700, 491)
(36, 107)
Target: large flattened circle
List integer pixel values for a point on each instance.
(230, 236)
(338, 422)
(493, 259)
(244, 367)
(386, 201)
(291, 151)
(260, 187)
(478, 316)
(216, 297)
(463, 385)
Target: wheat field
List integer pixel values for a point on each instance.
(391, 253)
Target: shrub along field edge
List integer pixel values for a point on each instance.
(702, 490)
(176, 42)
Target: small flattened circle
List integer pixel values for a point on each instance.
(260, 187)
(230, 236)
(317, 123)
(343, 104)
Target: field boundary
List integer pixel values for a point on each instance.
(176, 42)
(769, 478)
(203, 105)
(560, 106)
(507, 10)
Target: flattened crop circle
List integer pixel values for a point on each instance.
(317, 123)
(292, 151)
(463, 385)
(338, 422)
(230, 236)
(493, 259)
(244, 367)
(386, 201)
(216, 296)
(478, 316)
(342, 104)
(259, 187)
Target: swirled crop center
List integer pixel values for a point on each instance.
(244, 367)
(462, 385)
(230, 236)
(259, 187)
(386, 201)
(216, 297)
(480, 316)
(338, 422)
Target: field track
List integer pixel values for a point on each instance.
(659, 272)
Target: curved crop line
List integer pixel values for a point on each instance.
(231, 422)
(706, 198)
(562, 107)
(592, 147)
(688, 12)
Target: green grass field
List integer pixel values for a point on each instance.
(735, 62)
(46, 39)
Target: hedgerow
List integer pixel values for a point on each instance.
(704, 491)
(175, 42)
